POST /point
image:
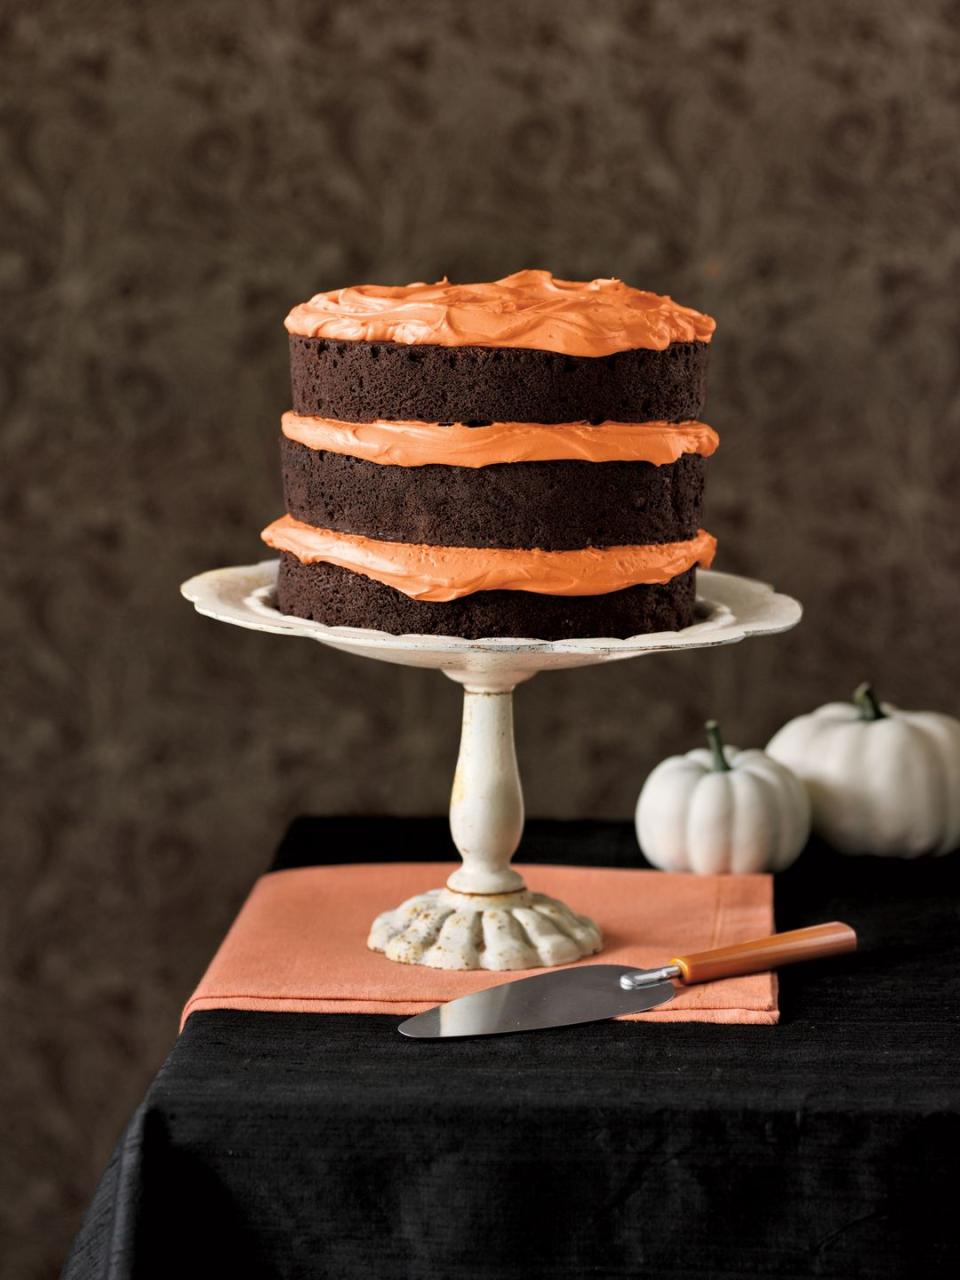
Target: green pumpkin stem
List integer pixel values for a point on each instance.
(715, 741)
(866, 700)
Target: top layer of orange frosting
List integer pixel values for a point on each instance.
(419, 444)
(528, 309)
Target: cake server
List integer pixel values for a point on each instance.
(593, 992)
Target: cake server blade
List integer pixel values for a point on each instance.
(593, 992)
(561, 998)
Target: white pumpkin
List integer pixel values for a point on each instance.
(881, 780)
(718, 809)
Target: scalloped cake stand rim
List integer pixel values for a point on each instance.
(731, 608)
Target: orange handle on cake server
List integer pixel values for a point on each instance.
(814, 943)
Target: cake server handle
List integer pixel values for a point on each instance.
(814, 943)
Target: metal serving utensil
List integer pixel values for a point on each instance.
(593, 992)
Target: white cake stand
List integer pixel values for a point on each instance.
(485, 917)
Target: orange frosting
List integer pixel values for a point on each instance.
(419, 444)
(448, 573)
(528, 309)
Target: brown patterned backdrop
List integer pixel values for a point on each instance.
(175, 176)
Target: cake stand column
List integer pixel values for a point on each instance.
(486, 804)
(485, 918)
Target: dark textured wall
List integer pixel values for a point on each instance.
(175, 176)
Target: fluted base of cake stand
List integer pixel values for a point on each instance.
(447, 930)
(485, 917)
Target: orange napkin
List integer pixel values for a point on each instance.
(298, 944)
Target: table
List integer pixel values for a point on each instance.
(293, 1145)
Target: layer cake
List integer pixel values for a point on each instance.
(516, 458)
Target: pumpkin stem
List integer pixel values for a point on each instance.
(866, 700)
(715, 740)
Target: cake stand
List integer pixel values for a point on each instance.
(485, 917)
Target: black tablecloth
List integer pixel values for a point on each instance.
(294, 1145)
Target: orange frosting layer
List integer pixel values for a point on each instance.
(528, 309)
(420, 444)
(447, 573)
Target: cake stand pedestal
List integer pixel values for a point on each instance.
(485, 917)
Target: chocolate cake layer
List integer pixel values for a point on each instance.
(336, 597)
(362, 381)
(558, 506)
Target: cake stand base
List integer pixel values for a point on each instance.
(485, 917)
(446, 930)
